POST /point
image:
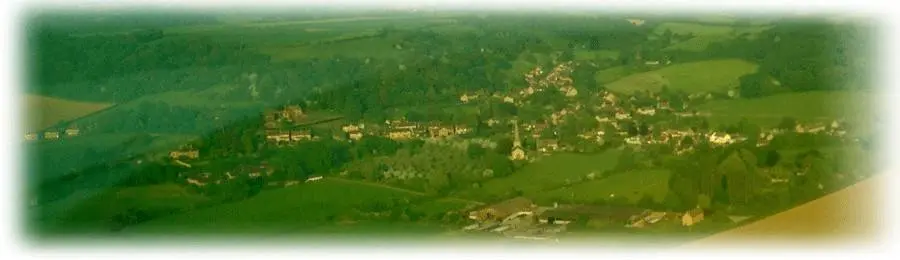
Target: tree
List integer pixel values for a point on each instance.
(504, 146)
(475, 150)
(787, 124)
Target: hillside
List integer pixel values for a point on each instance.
(42, 111)
(691, 77)
(300, 209)
(817, 106)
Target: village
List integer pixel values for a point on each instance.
(611, 112)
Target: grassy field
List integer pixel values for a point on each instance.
(694, 28)
(631, 185)
(295, 209)
(611, 74)
(547, 173)
(92, 210)
(692, 77)
(599, 54)
(42, 112)
(822, 106)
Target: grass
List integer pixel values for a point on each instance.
(823, 106)
(631, 185)
(299, 208)
(94, 212)
(694, 28)
(547, 173)
(692, 77)
(42, 112)
(697, 44)
(611, 74)
(598, 54)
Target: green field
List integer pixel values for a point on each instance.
(631, 185)
(821, 106)
(93, 210)
(692, 77)
(42, 111)
(547, 173)
(694, 28)
(611, 74)
(295, 209)
(599, 54)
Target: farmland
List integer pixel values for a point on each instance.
(45, 111)
(692, 77)
(547, 173)
(818, 106)
(290, 210)
(631, 185)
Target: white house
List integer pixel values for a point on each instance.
(648, 111)
(720, 138)
(314, 178)
(621, 115)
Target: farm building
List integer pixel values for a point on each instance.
(692, 217)
(502, 210)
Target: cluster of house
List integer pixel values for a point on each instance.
(521, 218)
(400, 130)
(557, 77)
(51, 135)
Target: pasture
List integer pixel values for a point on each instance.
(631, 185)
(691, 77)
(818, 106)
(299, 208)
(546, 173)
(42, 112)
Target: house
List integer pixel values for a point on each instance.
(196, 182)
(663, 104)
(72, 131)
(51, 135)
(547, 145)
(278, 136)
(571, 92)
(356, 136)
(634, 140)
(353, 128)
(601, 119)
(292, 113)
(300, 135)
(509, 99)
(188, 152)
(461, 129)
(651, 63)
(465, 98)
(290, 183)
(31, 137)
(692, 217)
(400, 134)
(646, 217)
(622, 115)
(720, 138)
(635, 22)
(502, 210)
(649, 111)
(610, 97)
(314, 178)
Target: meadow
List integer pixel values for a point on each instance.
(691, 77)
(42, 112)
(93, 209)
(632, 185)
(546, 173)
(300, 208)
(817, 106)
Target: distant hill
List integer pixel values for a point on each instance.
(42, 111)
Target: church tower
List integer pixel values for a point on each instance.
(517, 152)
